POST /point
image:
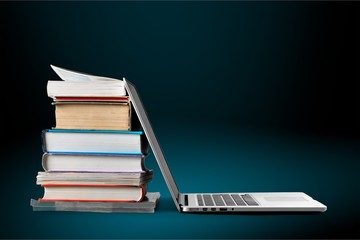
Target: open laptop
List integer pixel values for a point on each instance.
(220, 202)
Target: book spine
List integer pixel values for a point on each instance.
(44, 161)
(144, 144)
(143, 192)
(43, 142)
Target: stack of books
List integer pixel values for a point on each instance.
(94, 158)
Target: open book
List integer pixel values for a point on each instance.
(77, 84)
(69, 75)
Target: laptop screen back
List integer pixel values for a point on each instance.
(154, 144)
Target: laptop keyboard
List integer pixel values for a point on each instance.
(225, 200)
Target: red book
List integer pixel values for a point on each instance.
(91, 99)
(93, 193)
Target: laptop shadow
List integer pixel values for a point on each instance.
(166, 205)
(256, 213)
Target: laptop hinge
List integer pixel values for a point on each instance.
(183, 199)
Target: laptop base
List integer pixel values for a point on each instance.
(250, 202)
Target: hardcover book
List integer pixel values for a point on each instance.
(101, 115)
(93, 192)
(94, 141)
(94, 156)
(118, 178)
(124, 99)
(59, 88)
(85, 162)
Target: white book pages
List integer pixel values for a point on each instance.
(69, 75)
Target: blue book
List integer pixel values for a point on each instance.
(94, 141)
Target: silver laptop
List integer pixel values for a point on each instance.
(220, 202)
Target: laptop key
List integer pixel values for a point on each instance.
(228, 200)
(200, 200)
(208, 200)
(249, 200)
(218, 200)
(238, 200)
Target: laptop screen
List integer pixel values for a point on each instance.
(154, 144)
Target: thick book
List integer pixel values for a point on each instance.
(60, 88)
(101, 115)
(147, 205)
(85, 162)
(119, 178)
(94, 141)
(93, 192)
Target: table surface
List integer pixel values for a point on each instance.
(326, 169)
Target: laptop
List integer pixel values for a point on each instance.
(219, 202)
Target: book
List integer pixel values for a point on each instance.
(93, 157)
(101, 115)
(76, 84)
(75, 76)
(119, 178)
(93, 192)
(147, 205)
(124, 99)
(94, 141)
(83, 162)
(60, 88)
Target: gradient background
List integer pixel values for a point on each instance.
(243, 96)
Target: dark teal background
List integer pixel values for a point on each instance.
(243, 96)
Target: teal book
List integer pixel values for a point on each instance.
(94, 141)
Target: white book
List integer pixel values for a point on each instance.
(94, 141)
(120, 178)
(75, 76)
(84, 85)
(56, 88)
(62, 162)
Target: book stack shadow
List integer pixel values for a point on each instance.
(94, 157)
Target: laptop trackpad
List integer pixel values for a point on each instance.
(285, 198)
